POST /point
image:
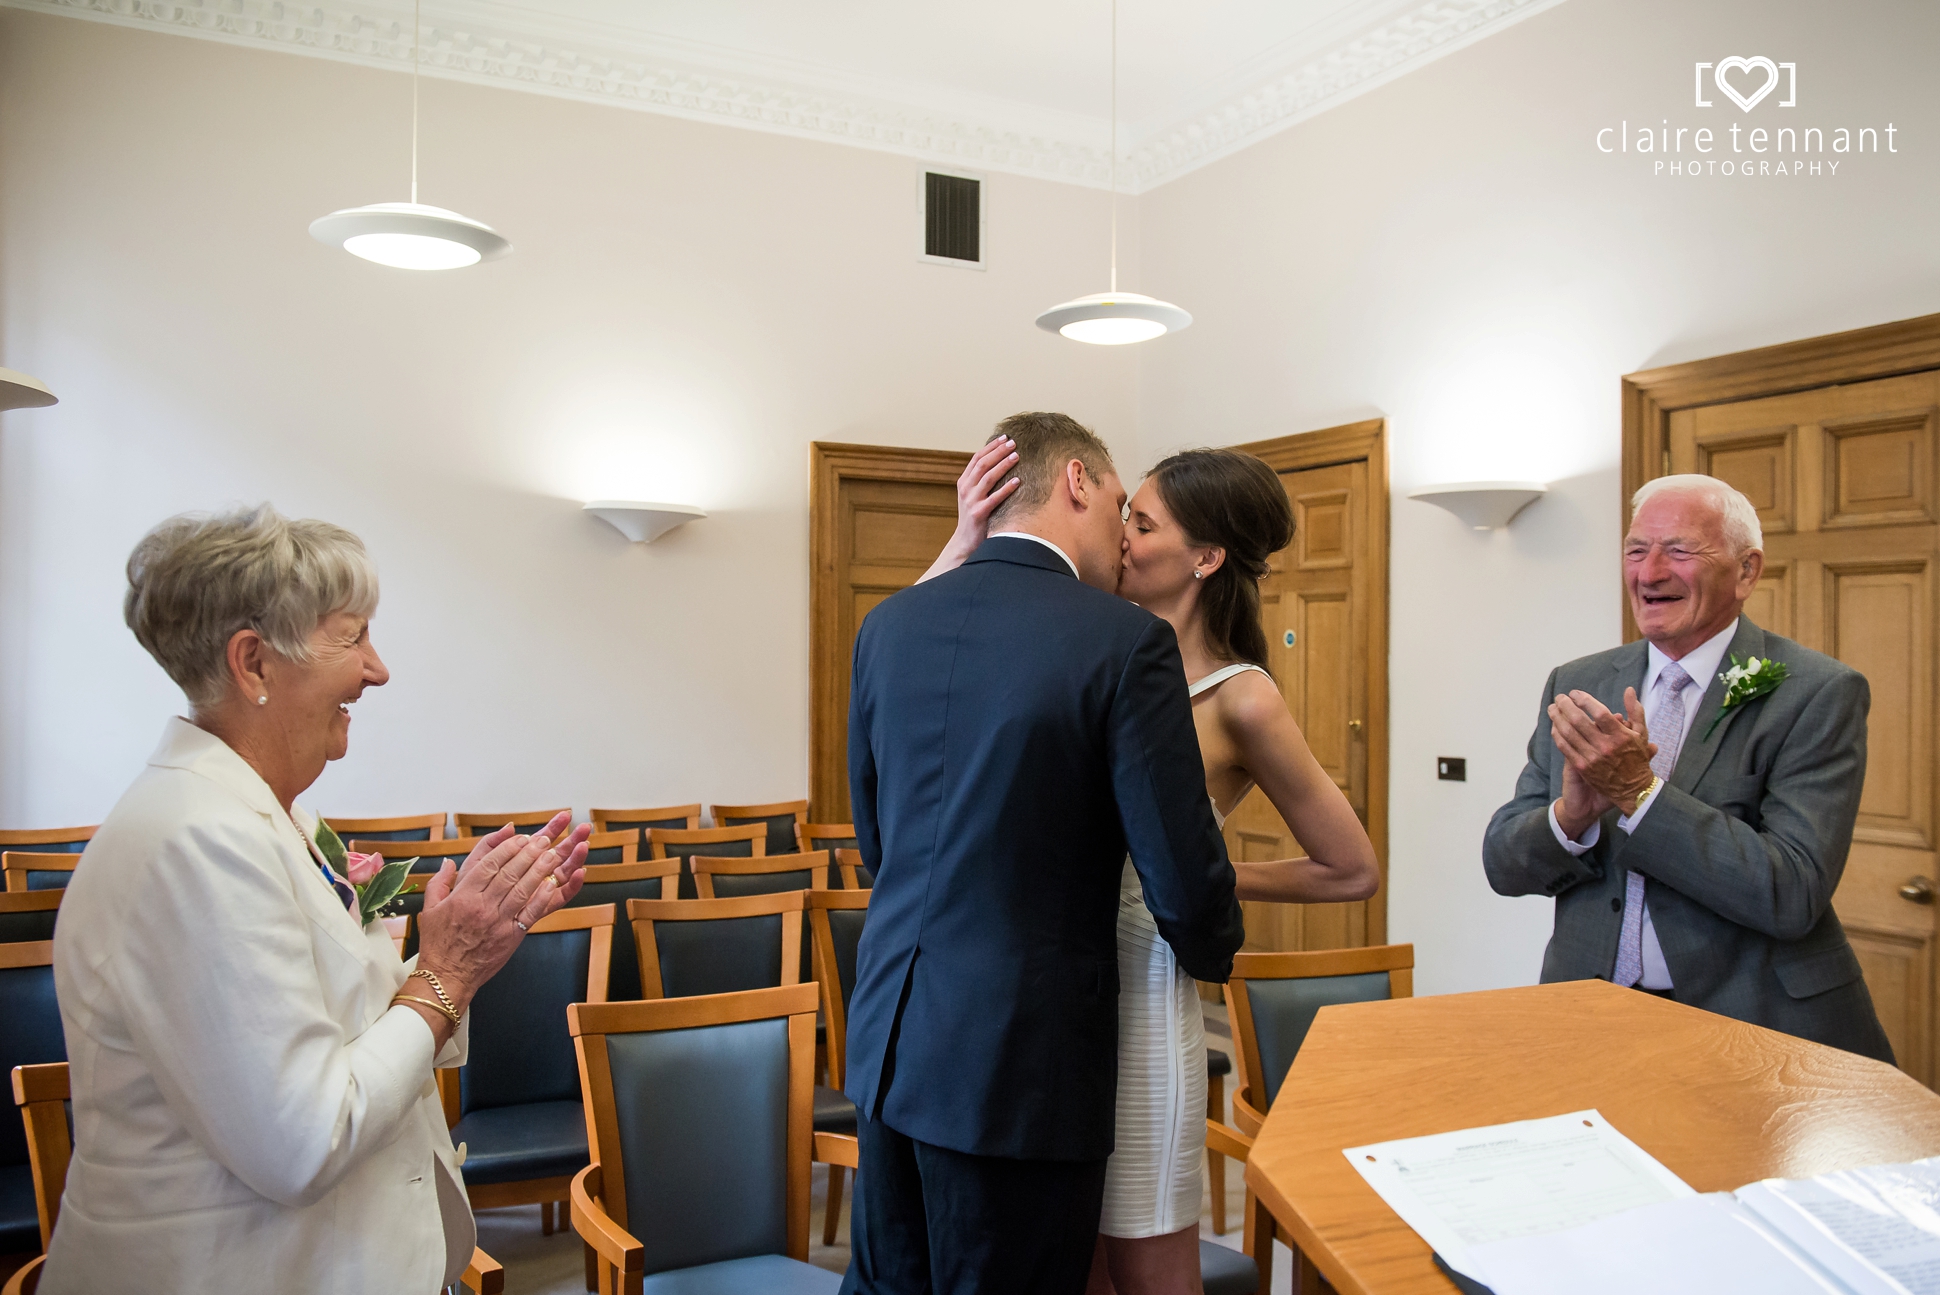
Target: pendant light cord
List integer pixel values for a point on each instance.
(417, 10)
(1114, 146)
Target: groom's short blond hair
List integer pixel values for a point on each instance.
(1045, 443)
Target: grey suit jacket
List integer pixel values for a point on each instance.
(1741, 852)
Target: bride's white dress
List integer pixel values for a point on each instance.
(1153, 1181)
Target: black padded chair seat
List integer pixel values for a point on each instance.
(1226, 1272)
(509, 1144)
(1218, 1063)
(20, 1220)
(834, 1113)
(756, 1275)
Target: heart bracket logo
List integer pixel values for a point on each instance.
(1731, 92)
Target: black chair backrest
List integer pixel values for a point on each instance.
(845, 931)
(30, 1035)
(520, 1050)
(831, 844)
(722, 849)
(631, 824)
(53, 847)
(607, 854)
(732, 885)
(398, 834)
(26, 918)
(1283, 1012)
(623, 972)
(781, 831)
(702, 1116)
(50, 878)
(720, 955)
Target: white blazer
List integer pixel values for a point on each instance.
(250, 1112)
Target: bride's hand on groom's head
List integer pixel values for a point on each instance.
(982, 488)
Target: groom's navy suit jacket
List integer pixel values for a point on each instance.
(1011, 732)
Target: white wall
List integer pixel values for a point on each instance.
(1452, 252)
(687, 307)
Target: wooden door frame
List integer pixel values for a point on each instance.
(1651, 396)
(1324, 448)
(830, 464)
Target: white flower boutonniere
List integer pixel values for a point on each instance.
(1746, 681)
(376, 882)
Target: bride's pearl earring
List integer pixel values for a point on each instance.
(262, 701)
(1199, 575)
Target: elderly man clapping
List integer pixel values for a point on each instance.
(1689, 799)
(251, 1065)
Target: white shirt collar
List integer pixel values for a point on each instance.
(1701, 662)
(1026, 535)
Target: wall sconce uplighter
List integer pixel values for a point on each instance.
(641, 522)
(1483, 505)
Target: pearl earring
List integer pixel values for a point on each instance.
(1199, 575)
(262, 701)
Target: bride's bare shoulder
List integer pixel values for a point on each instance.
(1250, 701)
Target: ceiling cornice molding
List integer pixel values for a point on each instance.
(677, 79)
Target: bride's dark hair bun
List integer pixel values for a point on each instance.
(1233, 500)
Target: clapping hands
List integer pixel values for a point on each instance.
(1606, 757)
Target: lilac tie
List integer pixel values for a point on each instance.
(1666, 720)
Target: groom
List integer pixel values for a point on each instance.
(1014, 728)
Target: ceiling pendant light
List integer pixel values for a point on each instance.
(410, 235)
(1114, 318)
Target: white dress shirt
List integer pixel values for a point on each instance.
(1701, 664)
(1026, 535)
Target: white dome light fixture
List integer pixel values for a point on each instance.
(411, 235)
(1114, 318)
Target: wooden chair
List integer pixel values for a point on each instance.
(1271, 1000)
(31, 870)
(825, 836)
(685, 843)
(30, 1035)
(783, 819)
(693, 1102)
(606, 848)
(28, 916)
(719, 877)
(527, 821)
(717, 946)
(681, 817)
(409, 827)
(48, 840)
(835, 920)
(41, 1092)
(615, 884)
(855, 875)
(515, 1104)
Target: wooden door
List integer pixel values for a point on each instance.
(1325, 610)
(878, 517)
(1844, 479)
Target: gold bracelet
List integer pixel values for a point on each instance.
(437, 987)
(439, 1008)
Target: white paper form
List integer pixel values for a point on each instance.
(1883, 1220)
(1508, 1180)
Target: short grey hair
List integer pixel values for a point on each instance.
(197, 578)
(1736, 514)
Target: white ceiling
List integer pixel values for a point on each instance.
(1008, 85)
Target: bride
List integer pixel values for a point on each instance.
(1198, 536)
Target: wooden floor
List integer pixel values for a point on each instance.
(536, 1265)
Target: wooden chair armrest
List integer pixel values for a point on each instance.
(27, 1280)
(613, 1242)
(1227, 1140)
(838, 1149)
(484, 1274)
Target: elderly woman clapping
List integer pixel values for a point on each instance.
(251, 1065)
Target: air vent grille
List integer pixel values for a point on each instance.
(952, 217)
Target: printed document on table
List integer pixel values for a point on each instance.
(1474, 1186)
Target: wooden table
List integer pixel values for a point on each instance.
(1719, 1102)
